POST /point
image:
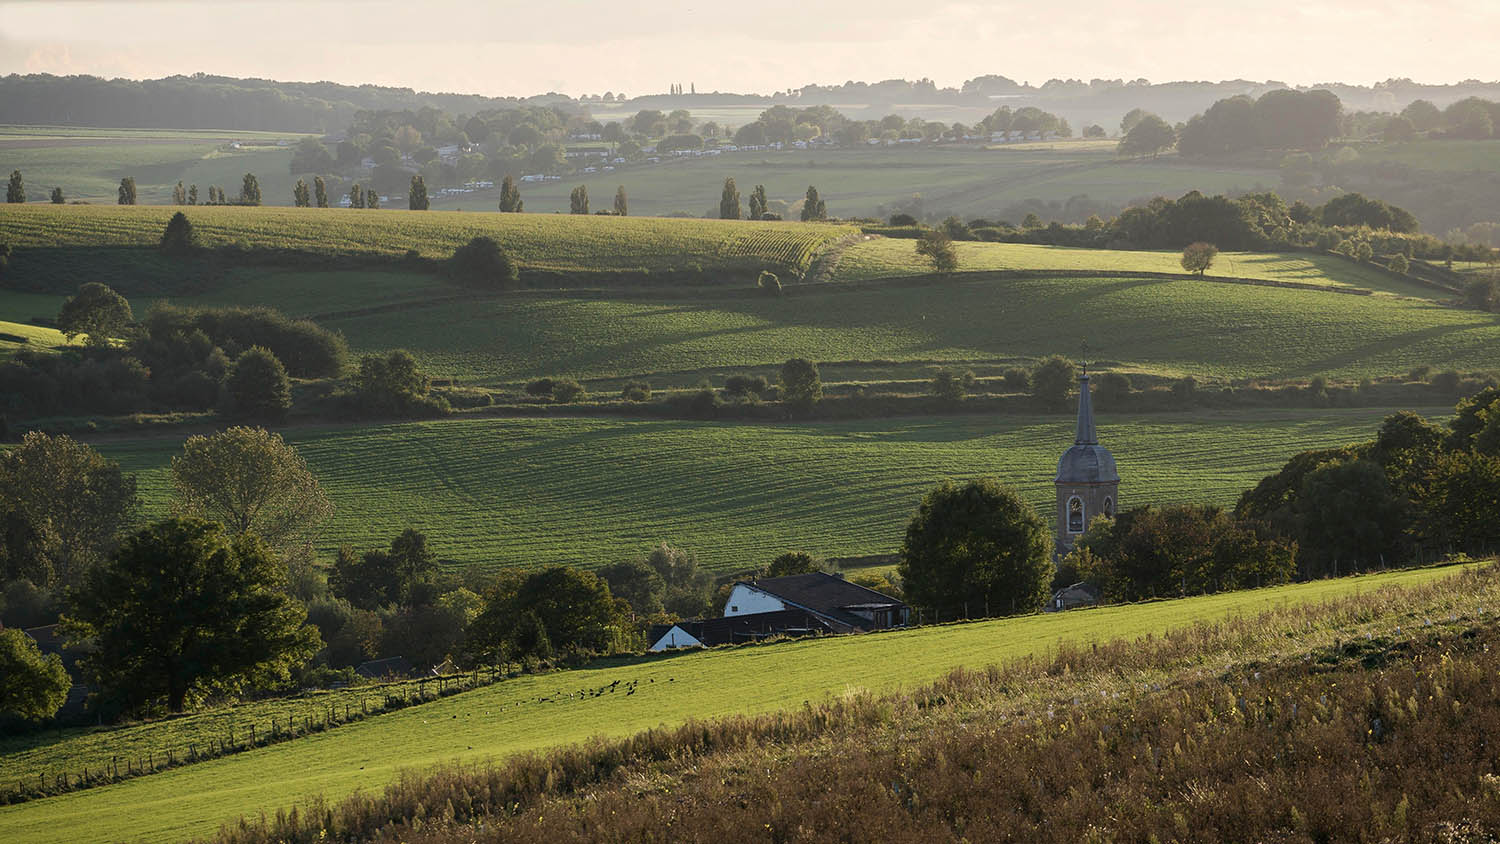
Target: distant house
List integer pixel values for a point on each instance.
(1077, 595)
(390, 668)
(843, 605)
(730, 630)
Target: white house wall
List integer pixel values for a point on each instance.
(747, 600)
(676, 638)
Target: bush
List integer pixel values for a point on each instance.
(801, 385)
(903, 220)
(567, 390)
(482, 263)
(704, 404)
(1419, 373)
(1446, 381)
(1399, 264)
(541, 387)
(1113, 387)
(744, 384)
(1017, 379)
(636, 391)
(1052, 381)
(768, 283)
(948, 387)
(306, 349)
(258, 386)
(937, 246)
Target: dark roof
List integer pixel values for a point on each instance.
(825, 594)
(748, 628)
(1087, 461)
(375, 669)
(49, 638)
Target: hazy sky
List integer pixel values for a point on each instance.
(590, 46)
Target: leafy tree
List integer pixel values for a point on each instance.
(482, 262)
(1353, 209)
(249, 190)
(392, 383)
(729, 201)
(320, 192)
(57, 196)
(1399, 130)
(813, 207)
(1399, 264)
(258, 385)
(758, 202)
(179, 194)
(1131, 118)
(416, 195)
(563, 607)
(686, 585)
(510, 196)
(1052, 381)
(937, 246)
(976, 549)
(636, 391)
(251, 481)
(127, 191)
(380, 578)
(179, 238)
(1423, 115)
(301, 196)
(1094, 130)
(183, 609)
(356, 196)
(1198, 257)
(1458, 502)
(66, 504)
(98, 312)
(947, 386)
(32, 686)
(622, 203)
(800, 384)
(192, 194)
(793, 562)
(1149, 136)
(15, 192)
(1112, 388)
(372, 198)
(1347, 512)
(578, 200)
(638, 584)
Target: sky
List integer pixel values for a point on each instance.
(505, 48)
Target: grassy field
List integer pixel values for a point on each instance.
(967, 181)
(554, 242)
(1441, 155)
(16, 336)
(529, 492)
(888, 257)
(88, 163)
(531, 713)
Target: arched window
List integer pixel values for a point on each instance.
(1075, 515)
(1109, 507)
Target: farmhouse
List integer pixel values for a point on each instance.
(1088, 484)
(841, 604)
(730, 630)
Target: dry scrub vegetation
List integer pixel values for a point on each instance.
(1367, 718)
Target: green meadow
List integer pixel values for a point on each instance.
(533, 712)
(531, 492)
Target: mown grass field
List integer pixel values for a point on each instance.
(88, 163)
(888, 257)
(967, 181)
(511, 717)
(531, 492)
(15, 336)
(553, 242)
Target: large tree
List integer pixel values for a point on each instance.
(578, 200)
(379, 578)
(937, 247)
(758, 202)
(72, 501)
(249, 190)
(801, 385)
(483, 263)
(258, 385)
(32, 686)
(178, 238)
(320, 192)
(510, 196)
(1052, 381)
(184, 608)
(251, 481)
(1150, 135)
(813, 206)
(976, 549)
(97, 312)
(622, 202)
(416, 195)
(15, 192)
(301, 195)
(729, 201)
(126, 194)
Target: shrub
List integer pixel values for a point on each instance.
(1419, 373)
(744, 384)
(948, 387)
(636, 391)
(937, 246)
(540, 387)
(1483, 295)
(306, 349)
(800, 384)
(1052, 381)
(567, 390)
(1113, 387)
(1017, 379)
(259, 386)
(482, 263)
(768, 283)
(903, 220)
(704, 404)
(1399, 264)
(1446, 381)
(1185, 389)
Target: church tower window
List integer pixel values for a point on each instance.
(1109, 507)
(1075, 515)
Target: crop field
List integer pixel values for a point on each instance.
(88, 163)
(967, 181)
(531, 492)
(553, 242)
(1160, 326)
(534, 712)
(44, 754)
(888, 257)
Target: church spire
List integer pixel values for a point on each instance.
(1086, 433)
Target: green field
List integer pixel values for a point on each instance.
(890, 257)
(16, 336)
(88, 163)
(530, 492)
(967, 181)
(1440, 155)
(511, 717)
(538, 241)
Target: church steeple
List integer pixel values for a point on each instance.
(1086, 433)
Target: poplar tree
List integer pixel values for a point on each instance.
(126, 193)
(192, 194)
(300, 196)
(813, 207)
(416, 196)
(320, 191)
(578, 200)
(15, 192)
(250, 190)
(758, 202)
(510, 196)
(356, 196)
(622, 205)
(57, 196)
(729, 201)
(372, 198)
(179, 195)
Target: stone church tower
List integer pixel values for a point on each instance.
(1088, 484)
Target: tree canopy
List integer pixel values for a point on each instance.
(98, 312)
(32, 686)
